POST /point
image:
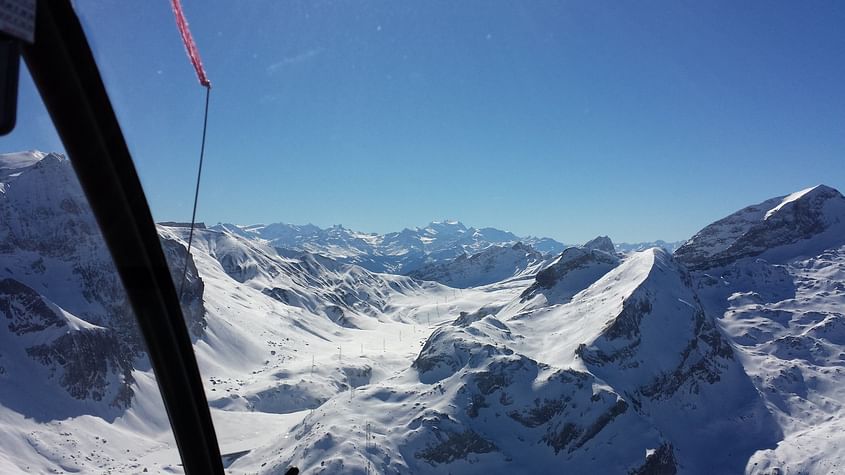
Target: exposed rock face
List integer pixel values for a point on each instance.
(43, 210)
(767, 226)
(24, 309)
(659, 462)
(704, 353)
(455, 446)
(667, 356)
(89, 362)
(67, 305)
(192, 287)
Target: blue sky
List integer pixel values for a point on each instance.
(640, 120)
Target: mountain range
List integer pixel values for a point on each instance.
(405, 251)
(494, 354)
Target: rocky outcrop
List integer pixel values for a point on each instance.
(67, 306)
(451, 348)
(25, 310)
(454, 446)
(601, 243)
(88, 361)
(660, 461)
(573, 271)
(180, 262)
(772, 224)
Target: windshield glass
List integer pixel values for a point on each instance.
(76, 390)
(478, 237)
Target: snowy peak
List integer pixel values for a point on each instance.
(806, 221)
(446, 227)
(243, 231)
(664, 353)
(573, 271)
(640, 329)
(811, 198)
(12, 163)
(14, 160)
(642, 246)
(601, 243)
(659, 317)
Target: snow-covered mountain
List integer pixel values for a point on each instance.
(575, 269)
(494, 264)
(724, 358)
(670, 247)
(60, 289)
(399, 252)
(807, 221)
(729, 372)
(499, 264)
(630, 368)
(417, 251)
(774, 276)
(72, 363)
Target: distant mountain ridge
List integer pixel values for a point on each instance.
(399, 252)
(405, 251)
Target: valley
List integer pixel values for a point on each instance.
(434, 350)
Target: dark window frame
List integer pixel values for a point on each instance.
(66, 75)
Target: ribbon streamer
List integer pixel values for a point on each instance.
(188, 40)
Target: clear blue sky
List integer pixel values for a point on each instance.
(568, 119)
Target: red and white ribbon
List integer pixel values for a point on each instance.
(190, 46)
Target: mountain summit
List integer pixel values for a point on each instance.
(782, 226)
